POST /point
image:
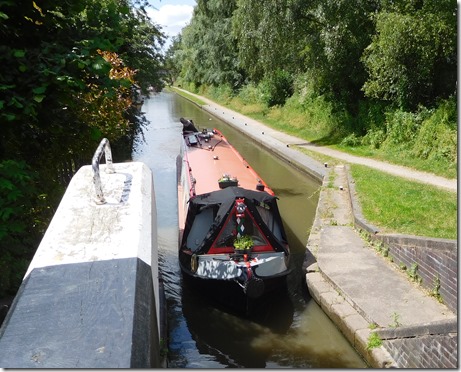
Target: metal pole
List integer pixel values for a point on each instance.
(103, 145)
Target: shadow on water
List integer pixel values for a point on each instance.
(290, 330)
(226, 334)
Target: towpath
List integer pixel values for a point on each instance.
(289, 140)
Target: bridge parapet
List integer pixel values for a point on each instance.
(90, 297)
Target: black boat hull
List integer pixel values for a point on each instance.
(240, 297)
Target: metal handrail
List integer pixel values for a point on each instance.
(103, 145)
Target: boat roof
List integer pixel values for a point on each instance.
(210, 161)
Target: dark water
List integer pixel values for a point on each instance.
(292, 331)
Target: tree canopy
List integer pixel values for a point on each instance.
(400, 52)
(412, 57)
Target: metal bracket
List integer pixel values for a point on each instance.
(104, 145)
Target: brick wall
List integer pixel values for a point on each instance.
(424, 352)
(429, 346)
(436, 259)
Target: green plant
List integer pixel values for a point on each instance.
(163, 348)
(435, 292)
(365, 236)
(385, 251)
(351, 140)
(244, 242)
(413, 273)
(374, 341)
(379, 246)
(331, 179)
(372, 326)
(395, 322)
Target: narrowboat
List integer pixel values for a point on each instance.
(231, 237)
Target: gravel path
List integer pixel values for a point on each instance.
(397, 170)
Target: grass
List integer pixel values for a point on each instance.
(402, 206)
(190, 97)
(322, 158)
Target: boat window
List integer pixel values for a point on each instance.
(229, 232)
(202, 222)
(268, 218)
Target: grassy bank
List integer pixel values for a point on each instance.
(397, 205)
(425, 140)
(393, 204)
(190, 97)
(400, 206)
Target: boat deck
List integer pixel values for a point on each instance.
(215, 158)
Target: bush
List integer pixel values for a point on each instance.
(17, 221)
(437, 138)
(277, 88)
(402, 127)
(351, 140)
(250, 94)
(12, 269)
(221, 93)
(374, 138)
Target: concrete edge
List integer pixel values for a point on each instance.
(97, 314)
(441, 327)
(352, 324)
(436, 244)
(359, 220)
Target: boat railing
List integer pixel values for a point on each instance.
(104, 147)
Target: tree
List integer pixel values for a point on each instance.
(209, 49)
(172, 60)
(271, 36)
(412, 59)
(68, 68)
(341, 30)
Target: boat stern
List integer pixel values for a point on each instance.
(254, 273)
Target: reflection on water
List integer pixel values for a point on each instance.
(291, 331)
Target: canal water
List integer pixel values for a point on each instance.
(292, 331)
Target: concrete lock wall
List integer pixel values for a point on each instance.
(90, 296)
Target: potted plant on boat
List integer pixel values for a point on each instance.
(243, 245)
(227, 180)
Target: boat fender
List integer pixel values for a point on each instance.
(193, 263)
(254, 287)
